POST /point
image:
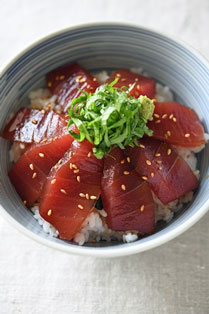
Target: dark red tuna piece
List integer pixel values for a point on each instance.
(29, 174)
(66, 81)
(143, 85)
(177, 125)
(127, 199)
(31, 125)
(167, 173)
(71, 190)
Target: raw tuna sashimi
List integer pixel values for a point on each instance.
(177, 125)
(31, 125)
(71, 190)
(29, 174)
(143, 85)
(127, 199)
(66, 82)
(168, 175)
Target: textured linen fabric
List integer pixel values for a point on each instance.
(171, 279)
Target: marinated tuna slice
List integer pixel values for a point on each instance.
(29, 174)
(66, 82)
(30, 125)
(71, 190)
(127, 199)
(143, 85)
(167, 173)
(177, 125)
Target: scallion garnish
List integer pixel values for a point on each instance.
(110, 117)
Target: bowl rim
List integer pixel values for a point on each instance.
(109, 251)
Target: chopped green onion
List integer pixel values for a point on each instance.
(110, 117)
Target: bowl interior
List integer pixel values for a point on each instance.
(106, 47)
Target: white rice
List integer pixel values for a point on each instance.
(94, 228)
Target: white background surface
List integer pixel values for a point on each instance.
(171, 279)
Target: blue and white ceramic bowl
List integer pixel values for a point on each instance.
(96, 47)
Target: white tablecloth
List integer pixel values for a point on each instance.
(171, 279)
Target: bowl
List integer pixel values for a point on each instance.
(106, 46)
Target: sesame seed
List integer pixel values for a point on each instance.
(171, 116)
(87, 196)
(118, 75)
(78, 78)
(89, 154)
(144, 178)
(136, 79)
(37, 141)
(142, 208)
(24, 202)
(82, 195)
(157, 121)
(60, 162)
(82, 80)
(169, 151)
(129, 84)
(156, 115)
(41, 155)
(88, 86)
(57, 78)
(55, 166)
(49, 84)
(78, 178)
(138, 87)
(44, 140)
(53, 181)
(34, 121)
(51, 139)
(169, 133)
(148, 162)
(94, 79)
(62, 77)
(76, 171)
(157, 155)
(43, 111)
(159, 161)
(187, 135)
(164, 116)
(152, 174)
(59, 111)
(154, 99)
(93, 197)
(142, 146)
(55, 138)
(63, 191)
(31, 166)
(74, 166)
(128, 159)
(160, 168)
(80, 206)
(126, 172)
(122, 162)
(71, 165)
(34, 175)
(49, 212)
(70, 154)
(123, 79)
(174, 119)
(123, 187)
